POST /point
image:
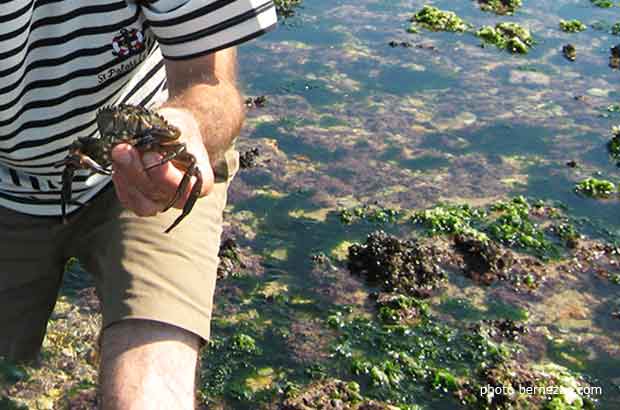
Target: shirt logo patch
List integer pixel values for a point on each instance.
(128, 43)
(128, 47)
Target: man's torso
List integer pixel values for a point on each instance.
(61, 61)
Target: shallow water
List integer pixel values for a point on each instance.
(350, 120)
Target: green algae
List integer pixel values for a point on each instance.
(463, 310)
(11, 373)
(602, 3)
(450, 219)
(501, 310)
(507, 222)
(8, 404)
(333, 394)
(567, 233)
(615, 29)
(369, 213)
(399, 362)
(435, 19)
(595, 188)
(572, 26)
(514, 385)
(412, 29)
(401, 309)
(514, 227)
(286, 8)
(613, 145)
(500, 6)
(225, 360)
(507, 36)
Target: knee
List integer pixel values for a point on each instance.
(145, 362)
(137, 334)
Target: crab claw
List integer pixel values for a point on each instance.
(67, 191)
(193, 170)
(71, 163)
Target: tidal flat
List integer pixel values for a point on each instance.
(424, 220)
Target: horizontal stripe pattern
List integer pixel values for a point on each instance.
(197, 27)
(61, 61)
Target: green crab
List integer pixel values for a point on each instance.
(146, 131)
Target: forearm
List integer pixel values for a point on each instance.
(218, 109)
(206, 87)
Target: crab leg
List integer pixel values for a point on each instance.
(193, 170)
(71, 163)
(168, 157)
(66, 192)
(90, 163)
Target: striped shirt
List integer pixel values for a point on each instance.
(62, 60)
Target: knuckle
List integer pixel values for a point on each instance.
(146, 208)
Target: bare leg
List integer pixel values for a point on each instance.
(148, 365)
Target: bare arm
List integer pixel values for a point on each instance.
(206, 87)
(206, 106)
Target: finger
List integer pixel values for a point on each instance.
(120, 186)
(128, 164)
(207, 186)
(132, 199)
(142, 205)
(166, 176)
(169, 177)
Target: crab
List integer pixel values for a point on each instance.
(146, 131)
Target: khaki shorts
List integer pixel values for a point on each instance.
(140, 272)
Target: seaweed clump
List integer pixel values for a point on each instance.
(500, 6)
(399, 266)
(370, 213)
(613, 145)
(483, 259)
(572, 26)
(401, 309)
(508, 222)
(595, 188)
(399, 361)
(605, 4)
(513, 385)
(286, 8)
(227, 359)
(333, 394)
(439, 20)
(570, 52)
(500, 329)
(508, 36)
(230, 260)
(451, 219)
(256, 102)
(614, 58)
(248, 158)
(567, 233)
(514, 227)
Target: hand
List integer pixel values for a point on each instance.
(147, 193)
